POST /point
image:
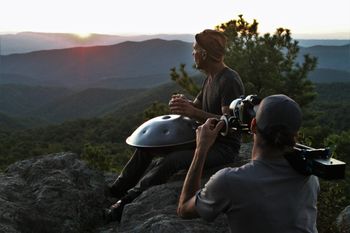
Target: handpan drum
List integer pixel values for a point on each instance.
(164, 131)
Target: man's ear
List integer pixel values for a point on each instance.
(204, 55)
(253, 126)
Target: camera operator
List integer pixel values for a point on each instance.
(265, 195)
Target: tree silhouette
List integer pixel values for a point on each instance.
(266, 64)
(184, 80)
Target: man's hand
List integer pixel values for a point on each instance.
(179, 104)
(207, 133)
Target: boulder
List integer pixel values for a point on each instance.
(155, 211)
(60, 193)
(53, 193)
(343, 221)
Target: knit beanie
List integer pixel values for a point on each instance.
(214, 42)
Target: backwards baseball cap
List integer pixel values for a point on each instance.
(214, 42)
(278, 110)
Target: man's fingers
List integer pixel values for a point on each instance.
(179, 101)
(214, 124)
(211, 121)
(219, 126)
(176, 104)
(199, 129)
(176, 109)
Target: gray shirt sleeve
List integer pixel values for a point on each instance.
(230, 89)
(211, 200)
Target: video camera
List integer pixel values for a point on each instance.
(243, 112)
(305, 160)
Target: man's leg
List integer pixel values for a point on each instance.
(141, 161)
(162, 169)
(159, 173)
(131, 173)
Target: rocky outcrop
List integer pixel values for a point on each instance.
(155, 211)
(54, 193)
(343, 221)
(60, 193)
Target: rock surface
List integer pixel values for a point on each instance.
(54, 193)
(155, 211)
(343, 221)
(60, 193)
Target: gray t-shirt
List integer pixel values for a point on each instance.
(266, 196)
(225, 87)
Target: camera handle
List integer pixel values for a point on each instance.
(232, 123)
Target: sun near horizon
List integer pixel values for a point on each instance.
(82, 35)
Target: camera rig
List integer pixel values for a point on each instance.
(304, 159)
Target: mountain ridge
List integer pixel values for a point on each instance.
(83, 65)
(23, 42)
(122, 67)
(149, 61)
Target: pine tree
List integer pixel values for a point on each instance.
(267, 64)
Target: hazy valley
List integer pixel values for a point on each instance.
(84, 82)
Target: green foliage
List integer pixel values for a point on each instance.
(96, 156)
(340, 145)
(333, 106)
(266, 63)
(335, 195)
(332, 200)
(156, 109)
(107, 156)
(326, 124)
(314, 135)
(93, 138)
(184, 80)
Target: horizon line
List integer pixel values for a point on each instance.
(310, 36)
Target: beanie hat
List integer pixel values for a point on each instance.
(214, 42)
(278, 110)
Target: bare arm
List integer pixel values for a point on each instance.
(185, 107)
(206, 135)
(192, 183)
(197, 103)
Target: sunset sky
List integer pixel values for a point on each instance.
(305, 18)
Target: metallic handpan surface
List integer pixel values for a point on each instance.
(164, 131)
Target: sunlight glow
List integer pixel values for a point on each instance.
(83, 35)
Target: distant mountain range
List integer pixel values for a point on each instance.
(329, 57)
(25, 42)
(145, 63)
(134, 64)
(52, 86)
(323, 42)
